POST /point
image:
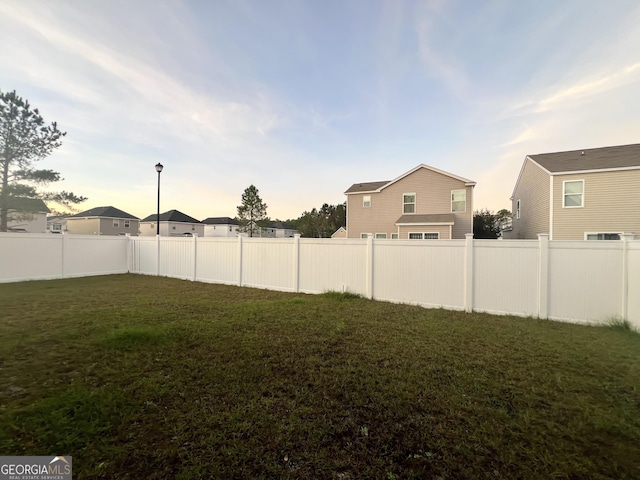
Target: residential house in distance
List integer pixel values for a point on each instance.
(423, 203)
(220, 227)
(56, 224)
(103, 221)
(27, 215)
(591, 194)
(172, 224)
(281, 230)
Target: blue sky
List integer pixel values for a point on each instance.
(304, 98)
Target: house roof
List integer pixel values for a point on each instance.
(617, 157)
(108, 212)
(378, 186)
(280, 226)
(24, 204)
(171, 216)
(220, 221)
(427, 219)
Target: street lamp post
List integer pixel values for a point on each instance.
(159, 168)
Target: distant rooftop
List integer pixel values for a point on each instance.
(623, 156)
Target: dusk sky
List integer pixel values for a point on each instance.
(304, 98)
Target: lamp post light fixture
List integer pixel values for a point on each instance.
(159, 168)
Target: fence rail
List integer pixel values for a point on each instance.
(579, 281)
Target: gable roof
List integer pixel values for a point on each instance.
(220, 221)
(108, 212)
(378, 186)
(617, 157)
(171, 216)
(24, 204)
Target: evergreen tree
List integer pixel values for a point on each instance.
(24, 140)
(252, 213)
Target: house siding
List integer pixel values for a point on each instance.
(533, 192)
(83, 226)
(433, 195)
(611, 204)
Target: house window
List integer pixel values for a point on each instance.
(173, 227)
(364, 235)
(573, 193)
(518, 209)
(409, 203)
(152, 226)
(424, 236)
(56, 227)
(127, 223)
(458, 200)
(193, 228)
(394, 236)
(602, 236)
(381, 235)
(366, 201)
(116, 224)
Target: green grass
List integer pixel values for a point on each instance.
(144, 377)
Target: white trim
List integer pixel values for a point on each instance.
(422, 234)
(564, 194)
(598, 170)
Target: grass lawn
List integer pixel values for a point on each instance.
(152, 378)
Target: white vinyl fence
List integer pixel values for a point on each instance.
(579, 281)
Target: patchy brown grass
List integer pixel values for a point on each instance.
(155, 378)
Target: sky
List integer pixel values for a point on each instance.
(303, 98)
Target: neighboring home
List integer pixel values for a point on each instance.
(27, 215)
(172, 224)
(423, 203)
(220, 227)
(340, 233)
(281, 230)
(589, 194)
(57, 224)
(103, 221)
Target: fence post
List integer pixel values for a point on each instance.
(127, 236)
(543, 275)
(369, 287)
(296, 262)
(239, 260)
(626, 237)
(468, 273)
(195, 256)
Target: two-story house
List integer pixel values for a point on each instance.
(423, 203)
(172, 224)
(101, 221)
(220, 227)
(591, 194)
(27, 215)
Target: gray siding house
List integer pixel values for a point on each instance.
(591, 194)
(103, 221)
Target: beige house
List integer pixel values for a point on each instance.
(103, 221)
(27, 215)
(423, 203)
(172, 224)
(579, 195)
